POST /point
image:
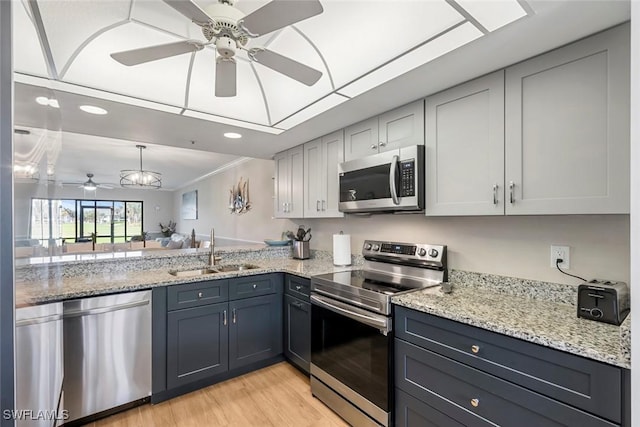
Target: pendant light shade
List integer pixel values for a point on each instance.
(140, 178)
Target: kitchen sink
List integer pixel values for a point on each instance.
(237, 267)
(212, 270)
(192, 273)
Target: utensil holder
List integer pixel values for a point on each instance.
(300, 249)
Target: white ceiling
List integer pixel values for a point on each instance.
(150, 114)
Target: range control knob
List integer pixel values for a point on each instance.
(433, 253)
(367, 246)
(422, 252)
(596, 312)
(376, 247)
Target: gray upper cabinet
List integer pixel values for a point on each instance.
(394, 129)
(321, 186)
(465, 148)
(288, 197)
(567, 129)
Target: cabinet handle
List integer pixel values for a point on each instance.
(495, 194)
(475, 402)
(475, 349)
(255, 286)
(374, 147)
(297, 304)
(233, 316)
(284, 207)
(382, 144)
(298, 287)
(323, 206)
(511, 198)
(317, 205)
(199, 294)
(224, 317)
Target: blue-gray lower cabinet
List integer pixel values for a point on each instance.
(297, 321)
(209, 331)
(255, 331)
(297, 332)
(197, 343)
(451, 374)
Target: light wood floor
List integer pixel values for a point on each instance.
(275, 396)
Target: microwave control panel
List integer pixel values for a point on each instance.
(407, 178)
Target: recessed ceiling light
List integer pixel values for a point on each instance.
(51, 102)
(92, 109)
(232, 135)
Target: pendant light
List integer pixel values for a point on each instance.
(140, 178)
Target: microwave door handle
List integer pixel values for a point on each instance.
(392, 179)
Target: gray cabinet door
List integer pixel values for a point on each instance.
(197, 341)
(401, 127)
(567, 129)
(281, 185)
(255, 329)
(297, 332)
(313, 174)
(361, 139)
(332, 154)
(465, 149)
(296, 177)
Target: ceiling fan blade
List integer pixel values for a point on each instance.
(190, 10)
(278, 14)
(152, 53)
(225, 77)
(287, 66)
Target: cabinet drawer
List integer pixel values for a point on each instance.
(593, 386)
(197, 294)
(253, 286)
(411, 412)
(297, 287)
(440, 381)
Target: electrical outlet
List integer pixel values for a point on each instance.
(563, 253)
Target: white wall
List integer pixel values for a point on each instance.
(157, 205)
(213, 200)
(511, 246)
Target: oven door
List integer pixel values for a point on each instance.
(351, 354)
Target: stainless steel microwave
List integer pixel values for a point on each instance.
(386, 182)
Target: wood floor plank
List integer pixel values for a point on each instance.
(277, 396)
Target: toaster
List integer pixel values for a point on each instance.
(604, 301)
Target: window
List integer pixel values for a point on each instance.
(112, 221)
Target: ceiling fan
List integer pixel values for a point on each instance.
(229, 29)
(89, 184)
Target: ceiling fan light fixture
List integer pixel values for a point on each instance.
(131, 178)
(50, 102)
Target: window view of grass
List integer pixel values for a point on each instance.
(55, 221)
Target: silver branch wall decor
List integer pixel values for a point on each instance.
(239, 197)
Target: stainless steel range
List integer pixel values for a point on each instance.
(351, 339)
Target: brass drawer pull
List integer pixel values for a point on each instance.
(200, 294)
(475, 402)
(475, 349)
(298, 287)
(255, 286)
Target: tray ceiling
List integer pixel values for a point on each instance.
(357, 45)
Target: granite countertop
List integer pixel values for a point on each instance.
(110, 280)
(538, 320)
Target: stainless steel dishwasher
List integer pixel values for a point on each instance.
(107, 352)
(39, 364)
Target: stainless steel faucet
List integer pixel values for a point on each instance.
(212, 255)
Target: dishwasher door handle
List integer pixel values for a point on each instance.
(38, 320)
(101, 310)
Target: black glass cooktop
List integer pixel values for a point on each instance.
(373, 281)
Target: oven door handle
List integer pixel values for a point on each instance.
(392, 179)
(380, 322)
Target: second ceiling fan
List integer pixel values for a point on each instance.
(229, 29)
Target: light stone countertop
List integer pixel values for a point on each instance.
(112, 280)
(536, 320)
